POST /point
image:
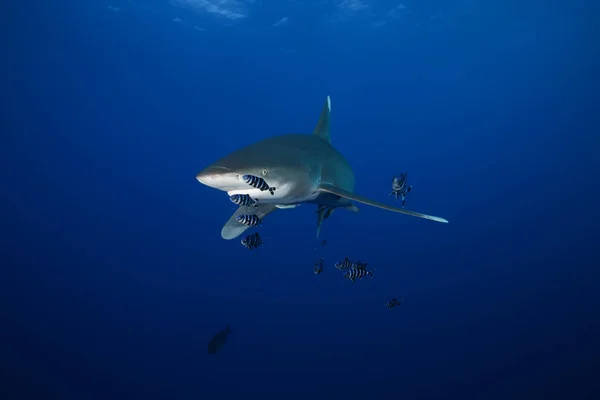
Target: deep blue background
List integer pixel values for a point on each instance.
(114, 276)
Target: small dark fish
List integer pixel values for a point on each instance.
(242, 199)
(355, 273)
(393, 303)
(400, 187)
(359, 265)
(258, 183)
(218, 340)
(248, 219)
(318, 268)
(252, 241)
(344, 264)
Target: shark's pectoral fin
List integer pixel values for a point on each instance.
(328, 188)
(233, 228)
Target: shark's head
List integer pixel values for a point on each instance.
(226, 173)
(286, 169)
(220, 177)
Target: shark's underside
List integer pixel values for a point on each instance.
(302, 169)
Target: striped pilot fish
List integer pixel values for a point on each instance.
(252, 241)
(400, 187)
(242, 200)
(343, 265)
(356, 273)
(258, 183)
(248, 219)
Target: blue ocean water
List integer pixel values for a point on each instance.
(114, 276)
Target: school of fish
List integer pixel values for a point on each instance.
(352, 270)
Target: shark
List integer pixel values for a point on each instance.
(302, 168)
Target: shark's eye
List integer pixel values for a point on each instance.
(265, 171)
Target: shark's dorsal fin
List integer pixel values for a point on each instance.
(322, 128)
(233, 228)
(328, 188)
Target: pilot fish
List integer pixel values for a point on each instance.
(252, 241)
(242, 200)
(400, 187)
(248, 219)
(356, 273)
(344, 264)
(259, 183)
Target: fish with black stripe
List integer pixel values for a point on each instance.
(355, 273)
(393, 303)
(400, 187)
(344, 265)
(248, 219)
(252, 241)
(258, 183)
(243, 200)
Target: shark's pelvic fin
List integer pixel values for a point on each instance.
(320, 213)
(352, 207)
(322, 128)
(328, 188)
(233, 228)
(323, 212)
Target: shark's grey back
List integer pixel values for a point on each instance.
(296, 151)
(334, 167)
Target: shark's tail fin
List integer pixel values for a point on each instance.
(227, 329)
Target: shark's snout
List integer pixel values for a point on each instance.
(213, 174)
(218, 177)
